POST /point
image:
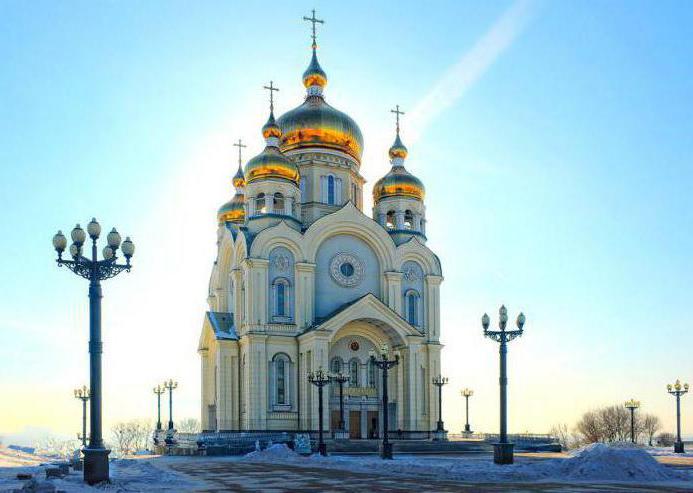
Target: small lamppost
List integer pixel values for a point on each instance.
(384, 362)
(158, 390)
(467, 393)
(632, 405)
(319, 379)
(503, 450)
(677, 390)
(83, 395)
(170, 386)
(439, 381)
(341, 379)
(95, 271)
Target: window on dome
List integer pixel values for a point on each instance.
(278, 203)
(390, 220)
(260, 206)
(408, 220)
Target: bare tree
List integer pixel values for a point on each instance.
(590, 428)
(666, 439)
(650, 426)
(189, 425)
(561, 433)
(59, 447)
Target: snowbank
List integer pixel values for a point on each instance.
(273, 452)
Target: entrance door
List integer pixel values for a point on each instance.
(373, 425)
(354, 425)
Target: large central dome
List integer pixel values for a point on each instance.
(317, 124)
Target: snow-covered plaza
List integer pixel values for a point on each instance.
(597, 467)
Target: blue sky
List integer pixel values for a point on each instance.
(554, 139)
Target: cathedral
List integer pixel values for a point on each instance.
(304, 279)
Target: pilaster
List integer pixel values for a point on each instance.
(305, 295)
(393, 291)
(432, 307)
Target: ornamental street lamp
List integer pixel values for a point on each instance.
(341, 379)
(94, 270)
(439, 381)
(677, 391)
(383, 361)
(158, 390)
(170, 386)
(632, 405)
(503, 450)
(319, 379)
(83, 395)
(467, 393)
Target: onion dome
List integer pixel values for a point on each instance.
(317, 124)
(233, 210)
(271, 163)
(239, 178)
(398, 182)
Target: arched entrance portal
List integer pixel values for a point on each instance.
(349, 354)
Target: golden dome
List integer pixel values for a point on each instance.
(398, 183)
(271, 129)
(317, 124)
(233, 210)
(271, 163)
(239, 178)
(398, 150)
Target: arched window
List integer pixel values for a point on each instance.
(412, 299)
(354, 373)
(371, 374)
(336, 365)
(282, 291)
(278, 203)
(390, 220)
(260, 206)
(280, 384)
(408, 219)
(330, 190)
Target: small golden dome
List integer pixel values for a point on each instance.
(398, 183)
(239, 178)
(314, 74)
(398, 150)
(271, 129)
(232, 211)
(271, 163)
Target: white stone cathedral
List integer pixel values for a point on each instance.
(304, 279)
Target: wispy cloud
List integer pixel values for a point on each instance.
(471, 66)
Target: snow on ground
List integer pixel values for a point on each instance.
(594, 463)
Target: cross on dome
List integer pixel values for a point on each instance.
(314, 20)
(271, 90)
(397, 112)
(240, 146)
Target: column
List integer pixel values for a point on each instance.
(399, 220)
(204, 415)
(305, 295)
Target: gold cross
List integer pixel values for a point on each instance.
(314, 21)
(271, 90)
(397, 112)
(240, 146)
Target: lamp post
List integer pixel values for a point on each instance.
(158, 390)
(170, 386)
(83, 395)
(677, 390)
(632, 405)
(503, 450)
(319, 379)
(341, 379)
(467, 393)
(95, 271)
(439, 381)
(384, 362)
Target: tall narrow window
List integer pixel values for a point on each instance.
(408, 220)
(280, 299)
(354, 373)
(281, 292)
(413, 308)
(278, 203)
(336, 365)
(330, 189)
(371, 374)
(390, 220)
(281, 381)
(260, 206)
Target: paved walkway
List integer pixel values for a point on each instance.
(244, 476)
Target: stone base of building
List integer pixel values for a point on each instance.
(503, 453)
(440, 435)
(341, 435)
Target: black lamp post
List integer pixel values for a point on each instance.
(94, 270)
(320, 379)
(632, 405)
(384, 362)
(677, 390)
(467, 393)
(83, 395)
(341, 379)
(158, 390)
(170, 386)
(439, 381)
(503, 450)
